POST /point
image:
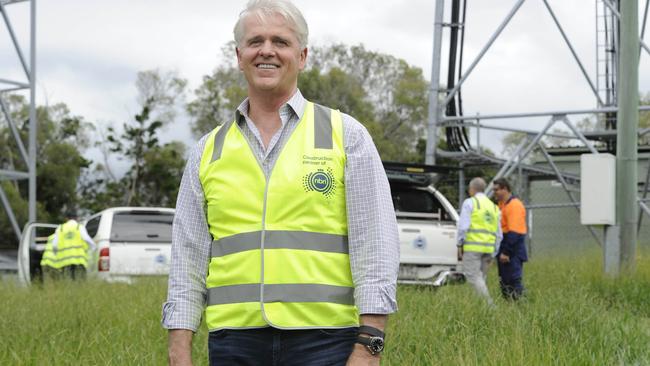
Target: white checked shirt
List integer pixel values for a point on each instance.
(372, 227)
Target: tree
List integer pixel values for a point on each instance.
(219, 94)
(336, 88)
(19, 208)
(61, 139)
(154, 175)
(161, 174)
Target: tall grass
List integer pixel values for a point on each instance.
(573, 315)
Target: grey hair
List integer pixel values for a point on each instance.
(477, 184)
(264, 8)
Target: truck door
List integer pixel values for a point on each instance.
(30, 251)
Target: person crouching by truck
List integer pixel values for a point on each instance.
(67, 251)
(512, 251)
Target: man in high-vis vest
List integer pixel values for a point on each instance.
(512, 251)
(479, 234)
(50, 265)
(68, 251)
(285, 237)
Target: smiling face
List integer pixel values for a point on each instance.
(270, 56)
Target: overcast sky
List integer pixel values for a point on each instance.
(90, 51)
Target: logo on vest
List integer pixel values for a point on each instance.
(489, 217)
(320, 181)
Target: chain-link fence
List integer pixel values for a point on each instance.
(554, 221)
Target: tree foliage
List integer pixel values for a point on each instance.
(61, 137)
(155, 169)
(219, 94)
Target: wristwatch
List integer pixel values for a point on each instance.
(375, 343)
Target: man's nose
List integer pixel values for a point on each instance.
(267, 49)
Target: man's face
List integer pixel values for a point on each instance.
(500, 193)
(270, 55)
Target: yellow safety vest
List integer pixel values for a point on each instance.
(49, 257)
(71, 248)
(280, 250)
(482, 234)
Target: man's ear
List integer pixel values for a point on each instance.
(238, 53)
(303, 58)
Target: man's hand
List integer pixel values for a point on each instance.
(361, 357)
(180, 347)
(504, 258)
(460, 253)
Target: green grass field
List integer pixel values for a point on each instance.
(572, 316)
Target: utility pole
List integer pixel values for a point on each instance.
(434, 87)
(627, 125)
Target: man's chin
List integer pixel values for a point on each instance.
(265, 85)
(271, 88)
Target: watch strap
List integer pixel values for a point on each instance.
(364, 340)
(369, 344)
(366, 329)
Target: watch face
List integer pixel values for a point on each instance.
(376, 344)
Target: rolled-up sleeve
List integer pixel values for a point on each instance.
(372, 225)
(186, 294)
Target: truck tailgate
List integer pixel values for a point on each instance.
(427, 243)
(129, 258)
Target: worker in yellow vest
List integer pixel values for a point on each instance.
(289, 205)
(50, 265)
(70, 249)
(479, 234)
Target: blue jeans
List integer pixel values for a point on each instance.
(271, 346)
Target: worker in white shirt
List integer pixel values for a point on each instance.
(479, 234)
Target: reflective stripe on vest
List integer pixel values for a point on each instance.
(281, 293)
(280, 250)
(280, 240)
(482, 233)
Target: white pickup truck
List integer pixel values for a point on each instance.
(131, 241)
(427, 226)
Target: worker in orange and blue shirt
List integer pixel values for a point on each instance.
(512, 251)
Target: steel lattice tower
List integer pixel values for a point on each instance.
(8, 85)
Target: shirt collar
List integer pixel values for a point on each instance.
(296, 104)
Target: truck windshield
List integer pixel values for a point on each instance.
(409, 199)
(142, 227)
